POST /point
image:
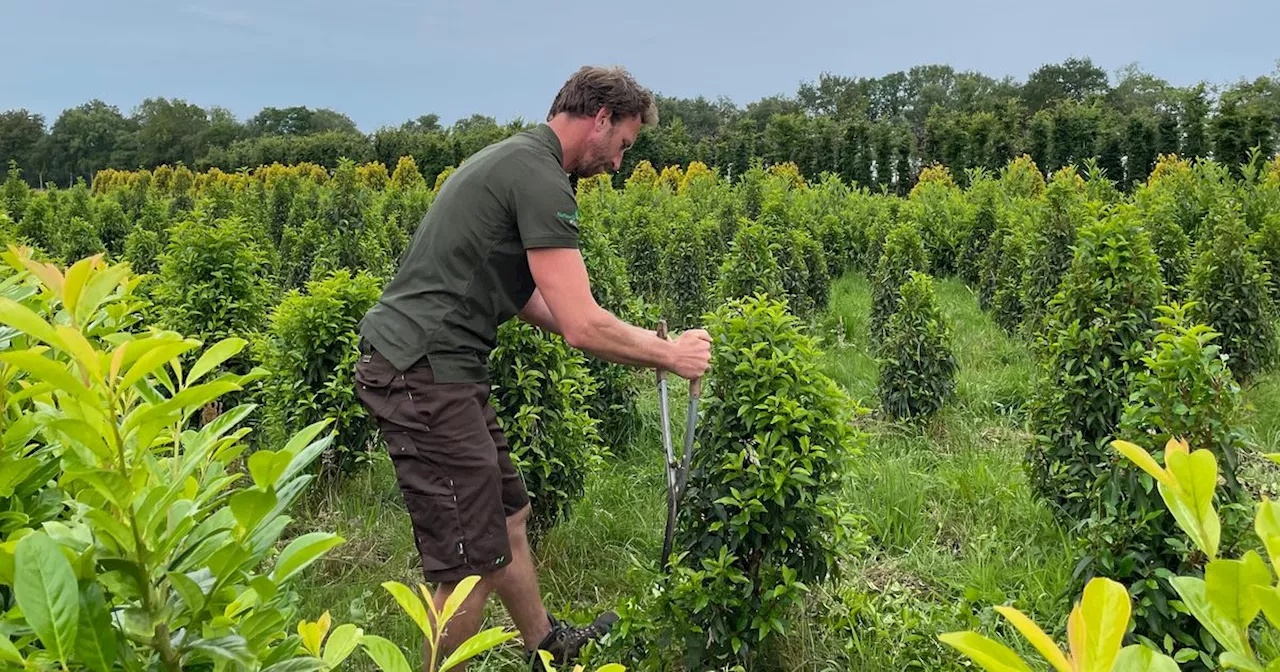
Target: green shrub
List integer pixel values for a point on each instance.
(985, 198)
(213, 283)
(14, 193)
(113, 226)
(641, 244)
(1266, 245)
(37, 224)
(124, 543)
(917, 367)
(751, 266)
(614, 403)
(687, 272)
(310, 350)
(1184, 392)
(1049, 243)
(818, 273)
(541, 391)
(77, 239)
(1097, 332)
(1170, 242)
(903, 253)
(1229, 286)
(762, 520)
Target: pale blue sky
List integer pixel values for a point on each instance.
(386, 61)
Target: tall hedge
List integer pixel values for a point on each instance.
(1098, 330)
(903, 253)
(1230, 288)
(761, 522)
(917, 366)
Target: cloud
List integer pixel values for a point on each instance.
(229, 15)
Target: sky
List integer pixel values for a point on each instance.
(382, 62)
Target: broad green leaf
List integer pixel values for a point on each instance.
(46, 591)
(990, 654)
(188, 589)
(266, 466)
(1267, 525)
(99, 286)
(82, 433)
(75, 344)
(230, 648)
(47, 370)
(298, 665)
(154, 358)
(96, 638)
(1098, 623)
(8, 652)
(243, 601)
(1136, 658)
(1143, 460)
(250, 506)
(49, 274)
(1043, 643)
(1229, 586)
(28, 322)
(1220, 625)
(1234, 661)
(457, 597)
(1192, 500)
(341, 643)
(75, 280)
(410, 603)
(219, 353)
(301, 552)
(387, 656)
(475, 645)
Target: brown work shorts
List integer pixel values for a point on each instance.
(452, 462)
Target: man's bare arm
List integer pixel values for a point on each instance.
(535, 312)
(562, 281)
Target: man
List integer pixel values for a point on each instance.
(499, 241)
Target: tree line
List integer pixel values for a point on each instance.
(874, 131)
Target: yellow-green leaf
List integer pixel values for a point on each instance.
(45, 589)
(1229, 586)
(75, 344)
(410, 603)
(1100, 621)
(312, 633)
(77, 275)
(1267, 525)
(219, 353)
(301, 552)
(1191, 502)
(1043, 643)
(341, 643)
(990, 654)
(1137, 658)
(457, 597)
(475, 645)
(385, 654)
(47, 370)
(1143, 459)
(28, 322)
(1220, 625)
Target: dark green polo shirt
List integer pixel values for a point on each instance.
(465, 271)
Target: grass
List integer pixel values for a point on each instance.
(949, 523)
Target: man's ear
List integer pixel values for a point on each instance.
(604, 117)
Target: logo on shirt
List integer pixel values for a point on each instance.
(568, 217)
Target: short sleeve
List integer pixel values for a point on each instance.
(545, 209)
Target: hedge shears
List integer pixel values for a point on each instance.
(677, 472)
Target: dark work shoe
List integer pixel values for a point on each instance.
(565, 640)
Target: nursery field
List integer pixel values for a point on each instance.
(909, 427)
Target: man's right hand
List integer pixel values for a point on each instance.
(692, 354)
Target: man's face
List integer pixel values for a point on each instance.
(607, 141)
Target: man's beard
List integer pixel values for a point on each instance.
(595, 161)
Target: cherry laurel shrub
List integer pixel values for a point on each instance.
(917, 366)
(1097, 331)
(128, 541)
(310, 349)
(542, 393)
(903, 253)
(762, 518)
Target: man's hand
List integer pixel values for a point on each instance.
(562, 282)
(692, 355)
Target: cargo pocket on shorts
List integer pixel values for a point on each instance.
(432, 505)
(437, 531)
